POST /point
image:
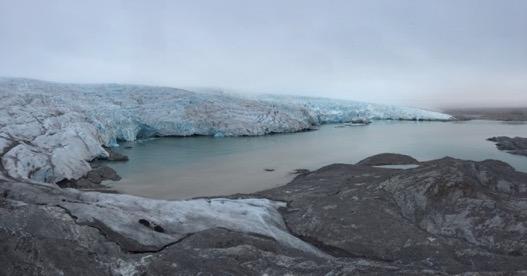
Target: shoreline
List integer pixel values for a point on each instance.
(189, 177)
(516, 145)
(516, 114)
(310, 220)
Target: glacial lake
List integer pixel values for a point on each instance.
(186, 167)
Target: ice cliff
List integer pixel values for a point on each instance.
(49, 131)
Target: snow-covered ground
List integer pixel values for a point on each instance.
(49, 131)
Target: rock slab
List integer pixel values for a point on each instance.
(516, 145)
(446, 216)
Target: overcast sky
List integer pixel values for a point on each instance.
(418, 53)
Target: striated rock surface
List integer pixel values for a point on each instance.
(447, 215)
(516, 145)
(50, 231)
(444, 217)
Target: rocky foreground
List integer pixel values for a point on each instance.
(446, 216)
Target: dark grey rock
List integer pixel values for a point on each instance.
(446, 216)
(48, 240)
(516, 145)
(300, 171)
(44, 240)
(92, 180)
(355, 123)
(115, 156)
(361, 121)
(388, 159)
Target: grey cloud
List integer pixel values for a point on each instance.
(421, 53)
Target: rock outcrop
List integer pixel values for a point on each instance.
(445, 216)
(93, 179)
(516, 145)
(388, 159)
(114, 156)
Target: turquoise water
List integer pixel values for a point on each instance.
(178, 168)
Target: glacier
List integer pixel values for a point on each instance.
(50, 131)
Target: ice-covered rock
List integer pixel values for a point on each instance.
(329, 111)
(56, 128)
(50, 231)
(141, 224)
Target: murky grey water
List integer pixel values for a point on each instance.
(176, 168)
